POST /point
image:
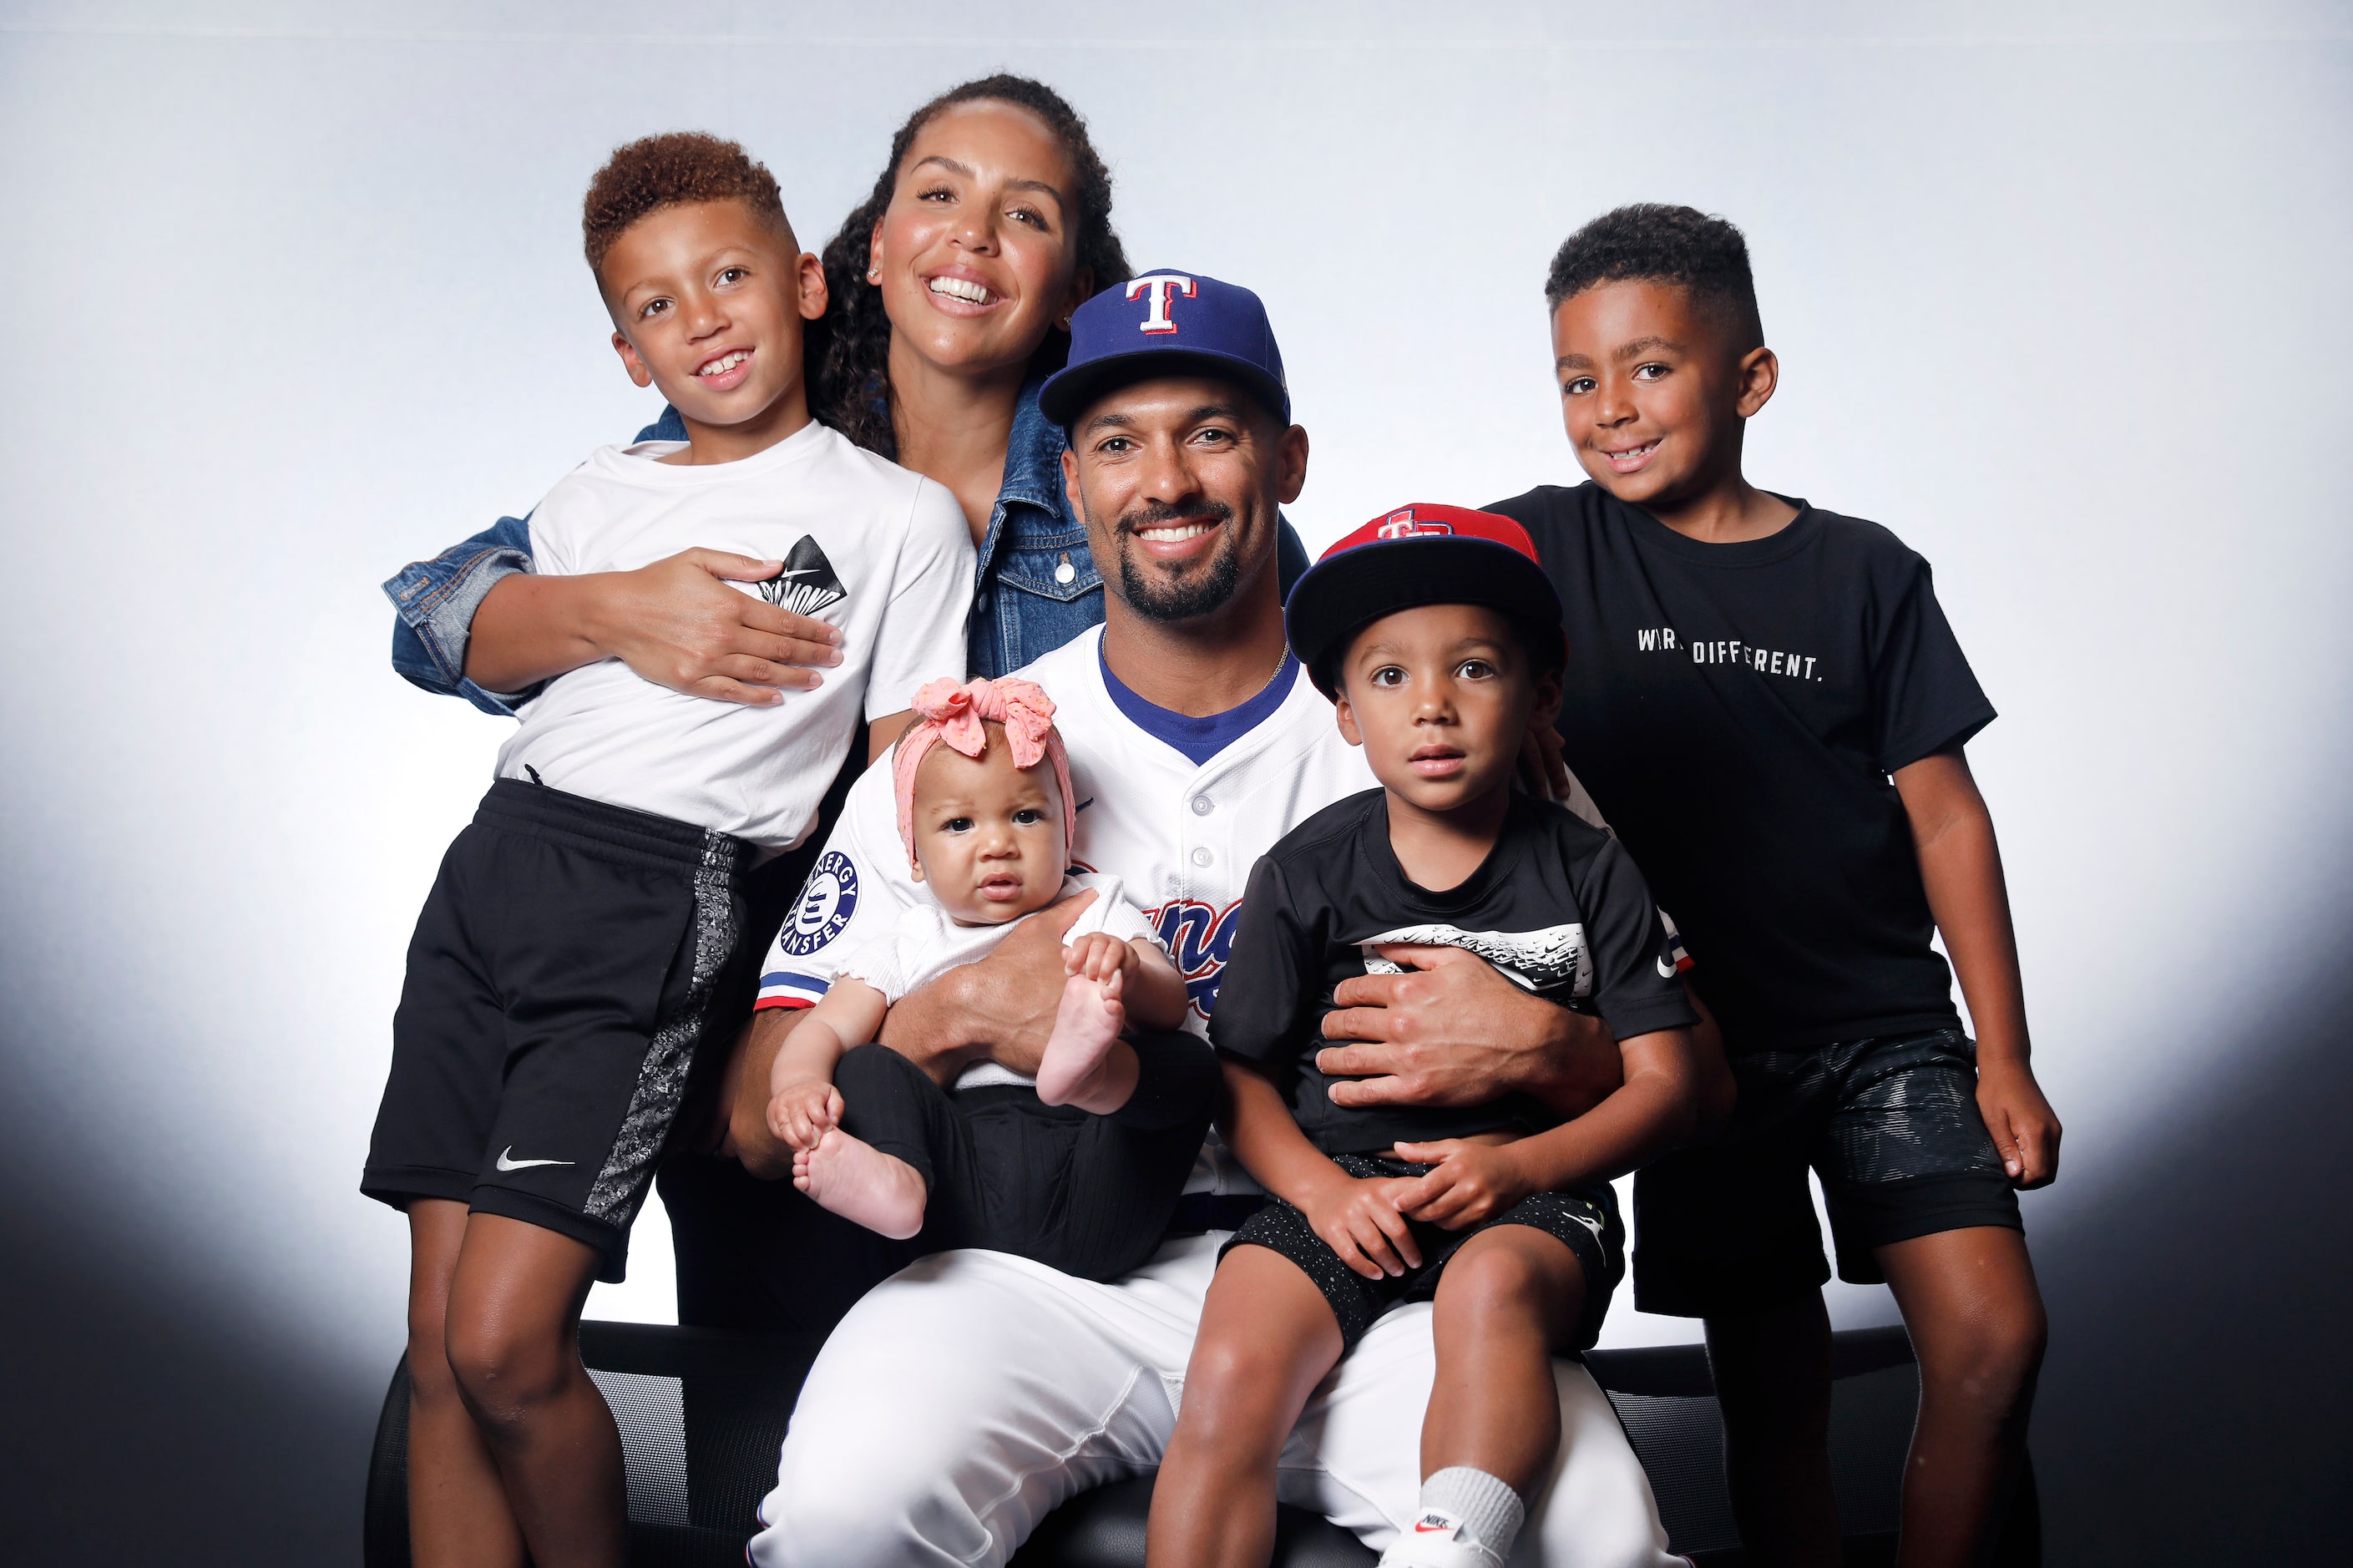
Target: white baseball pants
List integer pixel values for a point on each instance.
(971, 1392)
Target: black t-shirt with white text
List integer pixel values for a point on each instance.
(1735, 710)
(1557, 906)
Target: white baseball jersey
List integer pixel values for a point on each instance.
(1181, 837)
(966, 1396)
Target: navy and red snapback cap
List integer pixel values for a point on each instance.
(1415, 555)
(1167, 322)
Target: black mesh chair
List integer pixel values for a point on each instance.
(702, 1414)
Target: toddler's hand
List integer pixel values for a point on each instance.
(1473, 1182)
(1359, 1220)
(801, 1113)
(1100, 956)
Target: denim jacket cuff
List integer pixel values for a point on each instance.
(435, 602)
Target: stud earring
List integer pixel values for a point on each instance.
(874, 274)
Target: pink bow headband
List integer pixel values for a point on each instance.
(958, 715)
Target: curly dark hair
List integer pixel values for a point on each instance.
(1653, 242)
(677, 166)
(849, 349)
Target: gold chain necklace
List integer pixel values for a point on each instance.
(1281, 660)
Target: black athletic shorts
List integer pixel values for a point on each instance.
(559, 985)
(1585, 1220)
(1891, 1127)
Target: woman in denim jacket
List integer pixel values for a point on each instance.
(951, 287)
(992, 183)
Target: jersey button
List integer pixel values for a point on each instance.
(1203, 806)
(1202, 856)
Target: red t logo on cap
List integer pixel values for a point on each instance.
(1161, 288)
(1401, 525)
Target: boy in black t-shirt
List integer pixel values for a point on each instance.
(1435, 630)
(1768, 704)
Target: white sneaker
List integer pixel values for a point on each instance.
(1435, 1539)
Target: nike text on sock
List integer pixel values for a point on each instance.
(1468, 1518)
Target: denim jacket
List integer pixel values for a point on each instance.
(1037, 586)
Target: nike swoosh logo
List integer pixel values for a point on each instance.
(1666, 970)
(506, 1161)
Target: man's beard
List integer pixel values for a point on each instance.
(1204, 590)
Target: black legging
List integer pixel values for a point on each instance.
(1088, 1194)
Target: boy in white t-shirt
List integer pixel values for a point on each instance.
(560, 979)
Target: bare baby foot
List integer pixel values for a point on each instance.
(1086, 1028)
(859, 1181)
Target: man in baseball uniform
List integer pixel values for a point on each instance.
(963, 1399)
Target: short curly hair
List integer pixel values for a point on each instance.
(676, 167)
(1653, 242)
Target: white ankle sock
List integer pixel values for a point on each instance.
(1467, 1518)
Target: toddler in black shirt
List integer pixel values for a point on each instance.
(1437, 633)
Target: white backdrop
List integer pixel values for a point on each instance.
(294, 295)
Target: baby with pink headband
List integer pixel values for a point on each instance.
(1079, 1169)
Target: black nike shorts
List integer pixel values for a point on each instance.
(1891, 1127)
(1585, 1221)
(559, 987)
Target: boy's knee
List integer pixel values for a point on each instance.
(1508, 1279)
(503, 1372)
(1221, 1367)
(1227, 1387)
(1991, 1366)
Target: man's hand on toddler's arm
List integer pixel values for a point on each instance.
(1360, 1220)
(1001, 1009)
(2024, 1127)
(1452, 1031)
(1473, 1182)
(801, 1113)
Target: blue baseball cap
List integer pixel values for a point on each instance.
(1167, 322)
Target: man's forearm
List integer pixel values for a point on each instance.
(1573, 1063)
(956, 1021)
(744, 1093)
